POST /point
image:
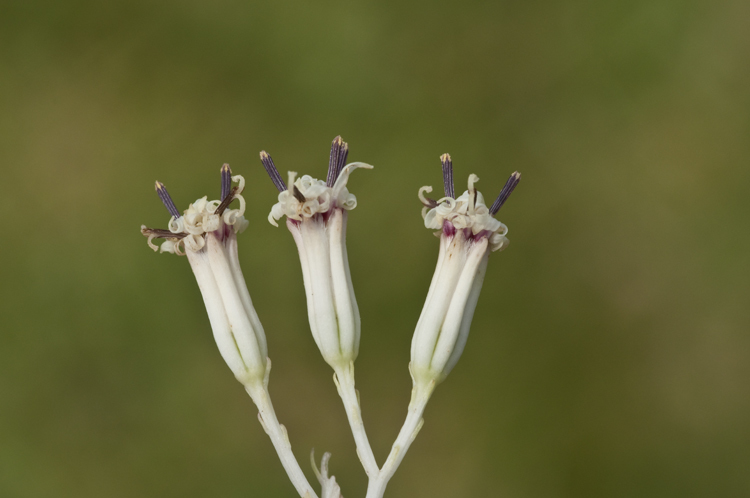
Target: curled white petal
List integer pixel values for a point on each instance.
(421, 196)
(242, 202)
(468, 211)
(212, 205)
(151, 244)
(194, 242)
(431, 219)
(168, 246)
(241, 180)
(343, 178)
(177, 250)
(318, 197)
(240, 224)
(176, 225)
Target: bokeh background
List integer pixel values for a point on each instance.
(609, 354)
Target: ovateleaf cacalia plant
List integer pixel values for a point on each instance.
(316, 214)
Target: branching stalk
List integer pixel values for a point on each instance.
(420, 395)
(277, 432)
(344, 380)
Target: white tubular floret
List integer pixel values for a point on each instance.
(332, 309)
(316, 214)
(216, 312)
(443, 326)
(252, 351)
(347, 311)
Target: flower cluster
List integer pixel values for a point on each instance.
(316, 214)
(468, 233)
(200, 218)
(207, 234)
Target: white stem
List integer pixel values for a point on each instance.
(277, 432)
(420, 395)
(344, 380)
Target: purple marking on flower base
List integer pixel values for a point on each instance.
(505, 192)
(447, 163)
(161, 190)
(272, 171)
(226, 181)
(448, 229)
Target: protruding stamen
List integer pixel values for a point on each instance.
(167, 200)
(472, 193)
(505, 192)
(160, 233)
(226, 202)
(226, 180)
(445, 159)
(337, 160)
(298, 195)
(272, 171)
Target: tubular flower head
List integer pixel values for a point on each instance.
(316, 214)
(207, 234)
(468, 233)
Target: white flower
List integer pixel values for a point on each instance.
(468, 233)
(316, 214)
(207, 234)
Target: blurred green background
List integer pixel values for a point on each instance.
(609, 354)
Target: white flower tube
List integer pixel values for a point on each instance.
(316, 214)
(468, 233)
(207, 234)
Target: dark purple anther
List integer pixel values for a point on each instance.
(160, 233)
(226, 201)
(445, 159)
(505, 192)
(343, 153)
(298, 194)
(226, 181)
(339, 151)
(167, 200)
(272, 171)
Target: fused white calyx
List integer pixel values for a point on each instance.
(469, 211)
(443, 326)
(306, 196)
(317, 213)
